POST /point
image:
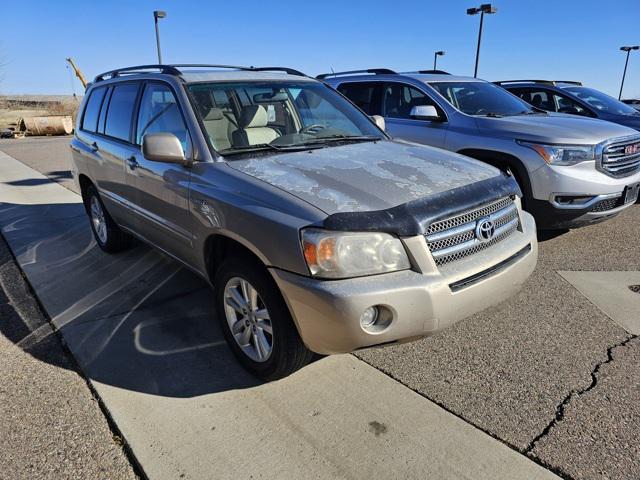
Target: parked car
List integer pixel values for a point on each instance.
(573, 171)
(317, 232)
(634, 102)
(575, 99)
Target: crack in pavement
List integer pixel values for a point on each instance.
(560, 409)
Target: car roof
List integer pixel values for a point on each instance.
(191, 73)
(389, 77)
(194, 76)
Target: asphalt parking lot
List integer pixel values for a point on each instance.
(551, 373)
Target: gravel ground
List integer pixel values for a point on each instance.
(607, 415)
(51, 426)
(522, 371)
(508, 369)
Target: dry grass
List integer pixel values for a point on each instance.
(14, 108)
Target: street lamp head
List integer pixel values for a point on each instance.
(440, 52)
(487, 8)
(628, 49)
(159, 14)
(473, 11)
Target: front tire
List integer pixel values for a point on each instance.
(109, 237)
(256, 321)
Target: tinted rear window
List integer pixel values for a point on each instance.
(363, 95)
(92, 110)
(120, 113)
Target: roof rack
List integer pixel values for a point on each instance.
(544, 82)
(174, 69)
(434, 72)
(375, 71)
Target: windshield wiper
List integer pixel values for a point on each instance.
(262, 147)
(341, 137)
(490, 114)
(533, 112)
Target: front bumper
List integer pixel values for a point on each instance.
(602, 195)
(422, 302)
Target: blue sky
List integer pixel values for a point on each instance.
(558, 39)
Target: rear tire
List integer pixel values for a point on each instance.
(109, 237)
(256, 321)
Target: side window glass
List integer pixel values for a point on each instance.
(103, 111)
(567, 105)
(92, 110)
(399, 99)
(541, 99)
(159, 113)
(363, 95)
(120, 113)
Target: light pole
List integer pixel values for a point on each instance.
(482, 9)
(435, 58)
(624, 74)
(156, 15)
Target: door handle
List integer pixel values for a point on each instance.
(132, 163)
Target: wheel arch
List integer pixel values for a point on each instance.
(503, 161)
(219, 246)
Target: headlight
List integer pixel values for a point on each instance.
(332, 254)
(563, 154)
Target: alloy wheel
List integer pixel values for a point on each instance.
(248, 319)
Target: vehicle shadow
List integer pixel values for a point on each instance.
(137, 320)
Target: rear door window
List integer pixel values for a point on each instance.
(120, 113)
(92, 110)
(365, 95)
(539, 98)
(159, 113)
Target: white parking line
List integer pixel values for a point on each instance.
(183, 403)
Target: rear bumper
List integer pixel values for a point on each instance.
(327, 313)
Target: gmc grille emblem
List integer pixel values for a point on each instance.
(632, 149)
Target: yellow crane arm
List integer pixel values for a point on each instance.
(78, 72)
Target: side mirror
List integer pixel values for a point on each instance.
(379, 121)
(425, 112)
(163, 147)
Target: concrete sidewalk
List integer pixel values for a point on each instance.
(141, 329)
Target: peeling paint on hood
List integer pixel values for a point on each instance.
(366, 176)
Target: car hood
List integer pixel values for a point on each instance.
(631, 121)
(553, 128)
(365, 176)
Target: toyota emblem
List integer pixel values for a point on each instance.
(485, 230)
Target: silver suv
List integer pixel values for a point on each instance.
(573, 171)
(317, 232)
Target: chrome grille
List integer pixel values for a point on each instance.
(455, 238)
(622, 158)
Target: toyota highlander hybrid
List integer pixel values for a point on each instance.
(317, 231)
(573, 170)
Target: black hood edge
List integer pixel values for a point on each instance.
(414, 217)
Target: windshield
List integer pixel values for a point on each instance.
(481, 98)
(601, 101)
(273, 116)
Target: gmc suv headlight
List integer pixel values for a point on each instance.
(332, 254)
(563, 154)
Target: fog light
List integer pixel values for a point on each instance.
(369, 317)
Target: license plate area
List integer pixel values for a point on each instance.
(631, 193)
